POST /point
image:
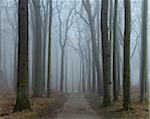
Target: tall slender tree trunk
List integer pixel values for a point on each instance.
(83, 76)
(44, 48)
(57, 66)
(72, 73)
(95, 53)
(32, 16)
(118, 71)
(80, 82)
(49, 50)
(115, 89)
(93, 75)
(38, 81)
(111, 11)
(106, 49)
(144, 49)
(89, 68)
(126, 79)
(22, 101)
(95, 56)
(62, 70)
(0, 44)
(15, 61)
(66, 72)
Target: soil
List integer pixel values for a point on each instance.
(76, 107)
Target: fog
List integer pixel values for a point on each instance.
(8, 45)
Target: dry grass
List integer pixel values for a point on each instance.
(115, 111)
(41, 107)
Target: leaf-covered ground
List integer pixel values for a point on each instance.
(42, 108)
(115, 111)
(47, 108)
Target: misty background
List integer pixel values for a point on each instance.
(8, 44)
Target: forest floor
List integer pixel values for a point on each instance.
(139, 111)
(73, 106)
(42, 108)
(76, 107)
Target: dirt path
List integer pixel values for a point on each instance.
(76, 107)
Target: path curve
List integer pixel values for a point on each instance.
(76, 107)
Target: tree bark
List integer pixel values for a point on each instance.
(106, 49)
(62, 70)
(126, 79)
(49, 50)
(115, 89)
(89, 67)
(66, 71)
(44, 40)
(38, 81)
(22, 101)
(57, 67)
(95, 53)
(144, 49)
(0, 45)
(83, 76)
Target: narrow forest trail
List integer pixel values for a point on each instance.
(76, 107)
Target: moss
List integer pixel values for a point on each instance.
(22, 104)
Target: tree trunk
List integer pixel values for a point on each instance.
(66, 72)
(126, 79)
(106, 49)
(83, 76)
(89, 67)
(62, 69)
(49, 50)
(118, 71)
(72, 72)
(95, 53)
(0, 44)
(80, 82)
(15, 61)
(115, 89)
(38, 81)
(44, 43)
(22, 101)
(32, 16)
(93, 75)
(57, 66)
(144, 49)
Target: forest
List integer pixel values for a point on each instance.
(74, 59)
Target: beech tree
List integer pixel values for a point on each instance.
(115, 48)
(38, 82)
(22, 101)
(95, 52)
(44, 26)
(106, 51)
(0, 44)
(126, 78)
(144, 52)
(68, 23)
(49, 49)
